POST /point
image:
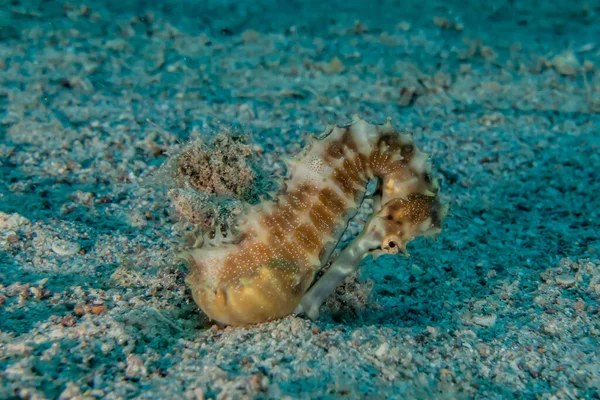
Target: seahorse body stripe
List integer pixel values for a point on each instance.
(283, 244)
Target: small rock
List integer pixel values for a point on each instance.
(407, 95)
(39, 292)
(97, 393)
(487, 53)
(433, 331)
(541, 300)
(198, 394)
(485, 320)
(68, 321)
(135, 367)
(534, 373)
(403, 26)
(442, 22)
(296, 326)
(71, 391)
(565, 279)
(65, 248)
(550, 328)
(107, 348)
(416, 270)
(382, 350)
(484, 350)
(566, 64)
(335, 66)
(97, 309)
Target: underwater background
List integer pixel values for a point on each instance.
(505, 96)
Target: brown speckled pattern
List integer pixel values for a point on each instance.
(285, 242)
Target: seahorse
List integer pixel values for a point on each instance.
(266, 271)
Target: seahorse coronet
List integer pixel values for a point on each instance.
(265, 270)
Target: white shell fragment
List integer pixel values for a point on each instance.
(65, 248)
(565, 279)
(486, 321)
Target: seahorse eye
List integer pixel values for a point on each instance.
(408, 148)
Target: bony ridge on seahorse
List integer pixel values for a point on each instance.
(266, 270)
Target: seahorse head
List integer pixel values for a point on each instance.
(403, 219)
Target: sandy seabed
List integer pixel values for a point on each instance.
(504, 95)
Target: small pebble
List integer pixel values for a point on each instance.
(382, 350)
(565, 279)
(485, 320)
(98, 309)
(416, 270)
(335, 66)
(68, 321)
(433, 331)
(135, 367)
(403, 26)
(65, 248)
(566, 63)
(198, 394)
